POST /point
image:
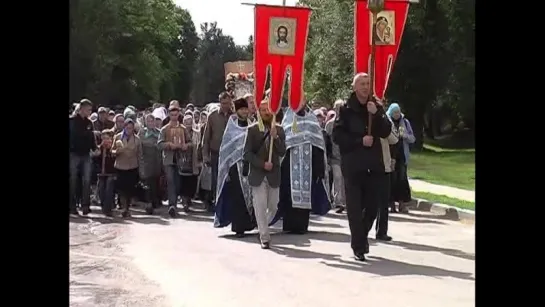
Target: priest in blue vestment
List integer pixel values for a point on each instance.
(303, 186)
(233, 196)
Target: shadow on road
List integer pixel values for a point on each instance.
(281, 242)
(404, 218)
(198, 216)
(276, 237)
(137, 216)
(374, 265)
(303, 254)
(328, 225)
(338, 216)
(427, 248)
(387, 267)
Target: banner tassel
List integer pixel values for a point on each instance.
(259, 122)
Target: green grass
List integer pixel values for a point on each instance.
(449, 167)
(434, 198)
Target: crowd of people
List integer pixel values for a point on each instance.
(250, 167)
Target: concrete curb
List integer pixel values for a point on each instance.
(449, 212)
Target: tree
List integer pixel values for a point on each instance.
(122, 52)
(213, 50)
(249, 49)
(434, 69)
(184, 47)
(330, 51)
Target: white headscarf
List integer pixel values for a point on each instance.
(159, 113)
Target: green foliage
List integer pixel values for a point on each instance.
(329, 60)
(134, 51)
(214, 50)
(435, 66)
(129, 37)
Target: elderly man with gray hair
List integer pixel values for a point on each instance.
(358, 128)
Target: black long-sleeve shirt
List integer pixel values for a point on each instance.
(82, 138)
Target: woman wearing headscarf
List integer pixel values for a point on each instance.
(205, 177)
(197, 119)
(400, 191)
(189, 169)
(203, 120)
(159, 114)
(93, 117)
(151, 163)
(319, 113)
(119, 123)
(127, 148)
(130, 112)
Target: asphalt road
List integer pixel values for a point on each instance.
(155, 262)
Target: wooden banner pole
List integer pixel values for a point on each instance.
(273, 122)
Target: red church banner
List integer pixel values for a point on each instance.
(387, 34)
(280, 41)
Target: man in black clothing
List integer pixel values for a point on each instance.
(82, 143)
(362, 162)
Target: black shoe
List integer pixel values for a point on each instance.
(240, 235)
(85, 210)
(172, 211)
(126, 214)
(366, 249)
(265, 245)
(149, 210)
(186, 208)
(386, 238)
(359, 256)
(340, 210)
(74, 212)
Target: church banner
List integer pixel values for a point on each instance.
(280, 41)
(386, 33)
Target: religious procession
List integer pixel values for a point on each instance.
(278, 153)
(260, 154)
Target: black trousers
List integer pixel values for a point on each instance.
(363, 197)
(188, 186)
(382, 216)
